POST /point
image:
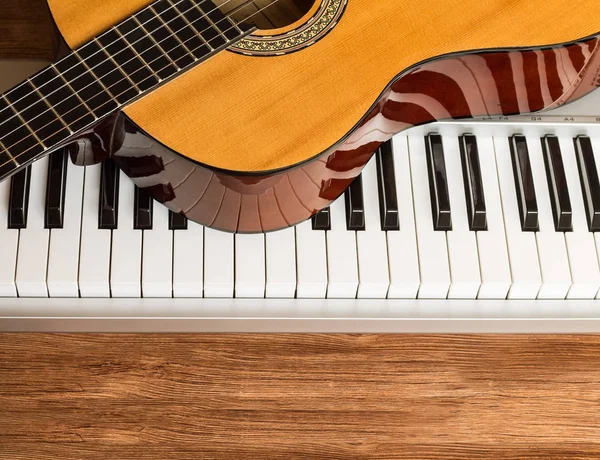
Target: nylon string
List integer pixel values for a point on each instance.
(103, 48)
(235, 24)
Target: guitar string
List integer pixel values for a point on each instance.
(104, 47)
(14, 158)
(118, 68)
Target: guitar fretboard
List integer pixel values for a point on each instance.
(108, 72)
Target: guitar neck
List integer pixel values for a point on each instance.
(132, 58)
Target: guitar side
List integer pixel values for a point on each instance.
(160, 140)
(458, 87)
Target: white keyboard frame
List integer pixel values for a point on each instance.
(302, 316)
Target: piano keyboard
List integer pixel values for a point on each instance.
(484, 226)
(483, 215)
(437, 215)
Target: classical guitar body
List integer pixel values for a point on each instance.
(274, 126)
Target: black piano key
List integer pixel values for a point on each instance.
(438, 183)
(142, 209)
(386, 180)
(476, 211)
(56, 187)
(322, 220)
(355, 206)
(588, 175)
(18, 202)
(109, 196)
(528, 208)
(557, 184)
(177, 221)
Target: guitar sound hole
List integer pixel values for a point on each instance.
(266, 14)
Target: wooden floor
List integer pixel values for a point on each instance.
(298, 396)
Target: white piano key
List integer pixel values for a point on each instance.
(32, 258)
(433, 252)
(218, 264)
(250, 265)
(402, 245)
(311, 260)
(522, 246)
(493, 253)
(157, 255)
(281, 263)
(95, 251)
(342, 262)
(126, 252)
(374, 276)
(581, 247)
(94, 255)
(188, 261)
(462, 243)
(552, 249)
(9, 243)
(596, 148)
(63, 255)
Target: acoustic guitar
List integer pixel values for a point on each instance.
(252, 116)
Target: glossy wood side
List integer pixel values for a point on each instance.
(240, 106)
(27, 30)
(299, 397)
(218, 199)
(446, 88)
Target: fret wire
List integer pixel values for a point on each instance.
(236, 27)
(16, 88)
(25, 124)
(168, 41)
(83, 47)
(156, 43)
(207, 17)
(182, 16)
(12, 158)
(50, 106)
(247, 32)
(227, 17)
(97, 79)
(119, 68)
(194, 6)
(138, 55)
(166, 25)
(100, 82)
(75, 93)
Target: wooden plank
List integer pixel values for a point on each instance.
(299, 396)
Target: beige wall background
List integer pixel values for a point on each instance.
(13, 72)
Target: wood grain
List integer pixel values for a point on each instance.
(299, 396)
(26, 30)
